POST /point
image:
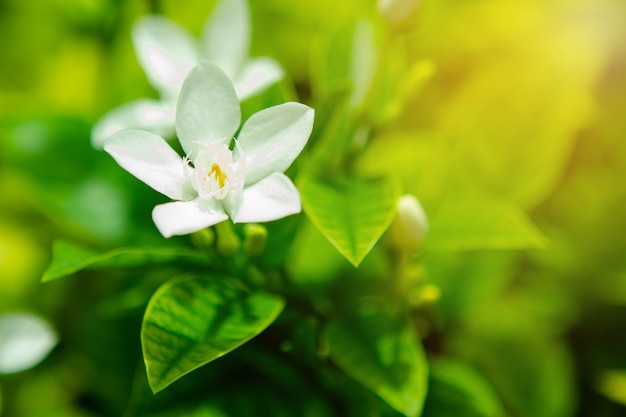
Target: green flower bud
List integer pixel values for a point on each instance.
(256, 237)
(401, 14)
(203, 238)
(426, 295)
(228, 243)
(410, 225)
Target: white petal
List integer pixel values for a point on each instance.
(151, 115)
(184, 217)
(25, 340)
(208, 109)
(149, 158)
(269, 199)
(256, 75)
(271, 139)
(166, 51)
(226, 36)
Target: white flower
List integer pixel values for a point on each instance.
(212, 182)
(167, 52)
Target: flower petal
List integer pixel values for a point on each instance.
(226, 36)
(184, 217)
(256, 75)
(208, 109)
(269, 199)
(271, 139)
(166, 51)
(149, 158)
(151, 115)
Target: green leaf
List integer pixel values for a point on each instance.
(68, 258)
(455, 389)
(466, 222)
(612, 384)
(351, 213)
(190, 322)
(385, 356)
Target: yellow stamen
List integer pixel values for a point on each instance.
(218, 174)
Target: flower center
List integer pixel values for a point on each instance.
(214, 174)
(217, 173)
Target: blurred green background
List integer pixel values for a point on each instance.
(522, 113)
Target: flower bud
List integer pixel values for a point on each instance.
(426, 295)
(256, 236)
(228, 242)
(401, 14)
(410, 225)
(203, 238)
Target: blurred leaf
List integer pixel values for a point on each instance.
(469, 280)
(466, 222)
(515, 114)
(25, 340)
(385, 356)
(190, 322)
(612, 384)
(502, 344)
(22, 257)
(58, 172)
(348, 58)
(457, 390)
(313, 260)
(68, 258)
(352, 213)
(420, 161)
(77, 206)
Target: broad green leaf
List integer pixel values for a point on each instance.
(68, 258)
(465, 222)
(351, 213)
(25, 340)
(457, 390)
(190, 322)
(383, 355)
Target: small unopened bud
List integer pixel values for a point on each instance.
(256, 236)
(203, 238)
(401, 14)
(425, 295)
(228, 242)
(410, 225)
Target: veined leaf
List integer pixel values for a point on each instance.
(352, 214)
(384, 356)
(190, 322)
(68, 258)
